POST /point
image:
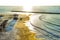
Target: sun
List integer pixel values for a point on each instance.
(27, 8)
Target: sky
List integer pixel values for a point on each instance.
(29, 2)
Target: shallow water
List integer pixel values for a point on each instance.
(48, 25)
